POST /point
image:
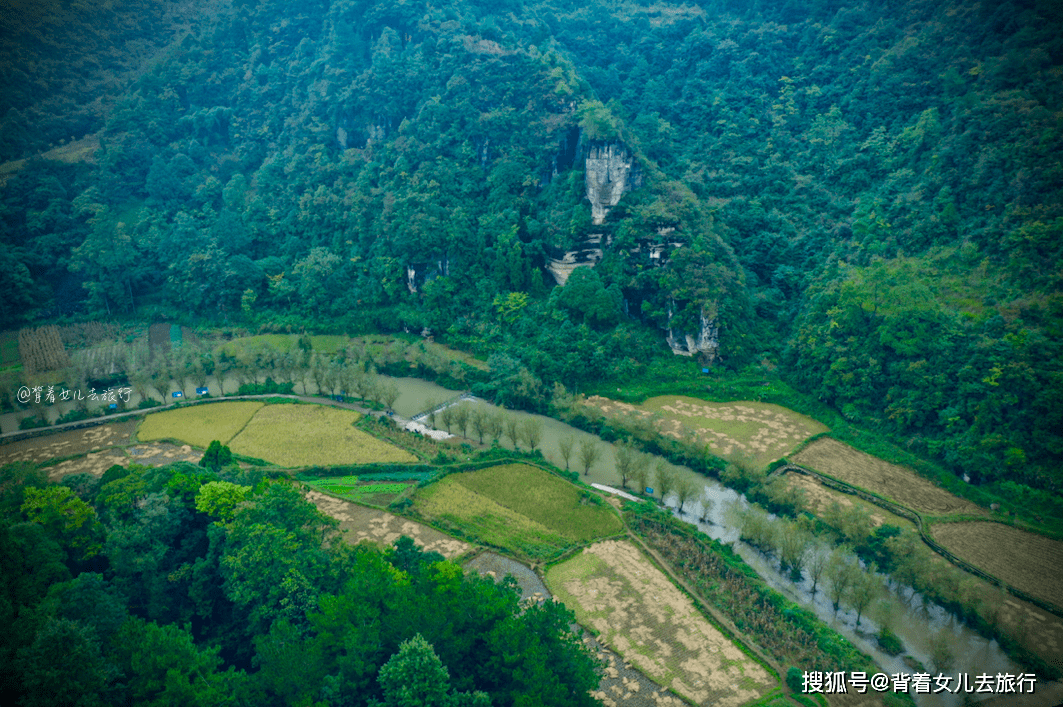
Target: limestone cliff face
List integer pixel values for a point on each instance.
(610, 172)
(707, 340)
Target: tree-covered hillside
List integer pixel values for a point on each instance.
(865, 198)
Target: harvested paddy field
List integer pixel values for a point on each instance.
(519, 507)
(1030, 562)
(617, 591)
(94, 463)
(65, 444)
(199, 425)
(761, 431)
(622, 685)
(312, 435)
(891, 481)
(359, 523)
(818, 498)
(162, 453)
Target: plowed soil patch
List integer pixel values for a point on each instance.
(891, 481)
(1030, 562)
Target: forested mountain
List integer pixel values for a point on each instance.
(864, 197)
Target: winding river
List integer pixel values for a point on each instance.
(915, 623)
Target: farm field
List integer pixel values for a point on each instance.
(352, 488)
(65, 444)
(162, 453)
(199, 425)
(524, 509)
(818, 499)
(891, 481)
(617, 591)
(359, 524)
(312, 435)
(544, 498)
(94, 463)
(1031, 562)
(760, 431)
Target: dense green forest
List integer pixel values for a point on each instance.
(865, 199)
(185, 585)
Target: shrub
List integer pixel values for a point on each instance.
(889, 642)
(795, 680)
(32, 422)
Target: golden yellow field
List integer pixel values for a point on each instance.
(761, 431)
(199, 425)
(615, 590)
(1030, 562)
(896, 483)
(312, 435)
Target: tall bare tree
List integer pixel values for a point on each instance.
(565, 445)
(533, 432)
(461, 419)
(665, 478)
(684, 491)
(589, 452)
(389, 393)
(479, 420)
(513, 431)
(625, 457)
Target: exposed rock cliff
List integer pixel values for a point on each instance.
(587, 255)
(610, 171)
(706, 342)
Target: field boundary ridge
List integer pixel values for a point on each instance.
(920, 524)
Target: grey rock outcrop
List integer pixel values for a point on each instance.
(707, 340)
(610, 172)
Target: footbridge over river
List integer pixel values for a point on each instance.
(421, 416)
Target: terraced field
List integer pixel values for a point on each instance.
(818, 498)
(891, 481)
(1030, 562)
(614, 589)
(761, 431)
(519, 507)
